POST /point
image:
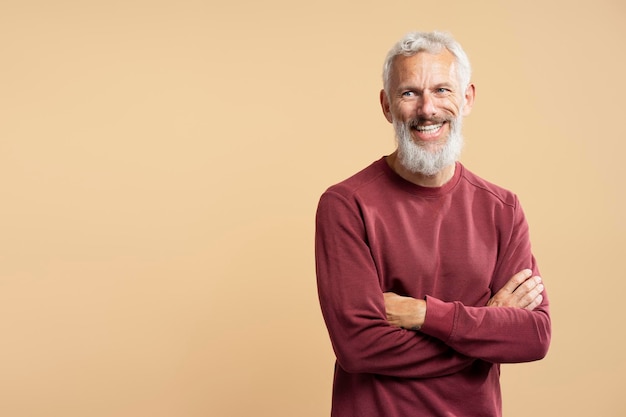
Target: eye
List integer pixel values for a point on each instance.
(408, 94)
(442, 90)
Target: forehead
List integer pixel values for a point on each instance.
(424, 67)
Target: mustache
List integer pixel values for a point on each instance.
(413, 123)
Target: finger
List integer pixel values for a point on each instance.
(535, 303)
(527, 292)
(528, 286)
(516, 280)
(530, 298)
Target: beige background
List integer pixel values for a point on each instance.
(160, 165)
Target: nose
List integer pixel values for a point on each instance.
(426, 106)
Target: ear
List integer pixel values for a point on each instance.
(470, 95)
(385, 105)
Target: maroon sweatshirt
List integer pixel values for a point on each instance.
(454, 246)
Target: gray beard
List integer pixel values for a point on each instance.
(418, 159)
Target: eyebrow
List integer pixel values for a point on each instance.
(411, 87)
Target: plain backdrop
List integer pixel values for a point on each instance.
(161, 163)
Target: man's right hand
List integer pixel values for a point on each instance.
(521, 291)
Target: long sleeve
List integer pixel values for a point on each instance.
(496, 334)
(454, 246)
(352, 303)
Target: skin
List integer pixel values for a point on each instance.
(522, 291)
(425, 87)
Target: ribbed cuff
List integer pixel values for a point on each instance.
(440, 319)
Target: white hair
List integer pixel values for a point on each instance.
(418, 159)
(431, 42)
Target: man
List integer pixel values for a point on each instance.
(425, 273)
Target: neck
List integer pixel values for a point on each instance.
(437, 180)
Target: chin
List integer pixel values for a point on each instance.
(432, 147)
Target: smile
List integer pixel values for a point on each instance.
(429, 128)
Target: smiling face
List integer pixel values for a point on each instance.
(426, 104)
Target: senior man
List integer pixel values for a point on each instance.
(426, 278)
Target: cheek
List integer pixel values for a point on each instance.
(403, 112)
(452, 107)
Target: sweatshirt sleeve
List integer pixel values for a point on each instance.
(353, 307)
(496, 334)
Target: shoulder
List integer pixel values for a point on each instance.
(361, 182)
(488, 189)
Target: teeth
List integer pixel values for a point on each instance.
(428, 128)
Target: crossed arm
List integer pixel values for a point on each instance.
(364, 324)
(522, 291)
